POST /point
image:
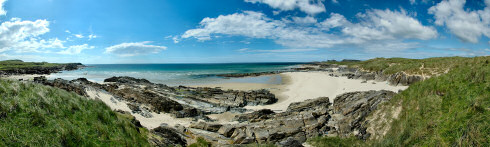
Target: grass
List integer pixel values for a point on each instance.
(19, 64)
(37, 115)
(448, 110)
(200, 142)
(431, 66)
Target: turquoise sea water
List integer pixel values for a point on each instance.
(178, 74)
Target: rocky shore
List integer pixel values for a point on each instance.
(345, 116)
(399, 78)
(40, 70)
(301, 120)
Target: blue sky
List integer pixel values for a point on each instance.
(218, 31)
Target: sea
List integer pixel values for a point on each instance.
(180, 74)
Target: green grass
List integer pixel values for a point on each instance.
(431, 66)
(448, 110)
(18, 64)
(37, 115)
(201, 142)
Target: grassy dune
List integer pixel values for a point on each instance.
(18, 64)
(428, 66)
(448, 110)
(37, 115)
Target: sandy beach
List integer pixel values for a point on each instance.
(301, 86)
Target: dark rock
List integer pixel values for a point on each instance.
(354, 107)
(127, 80)
(289, 142)
(166, 136)
(255, 116)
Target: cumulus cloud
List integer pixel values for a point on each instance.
(76, 49)
(467, 25)
(249, 23)
(133, 49)
(308, 6)
(23, 36)
(387, 24)
(2, 11)
(305, 20)
(375, 27)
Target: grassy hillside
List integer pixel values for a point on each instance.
(428, 66)
(18, 64)
(36, 115)
(447, 110)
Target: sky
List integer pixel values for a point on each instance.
(224, 31)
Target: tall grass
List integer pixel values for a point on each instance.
(37, 115)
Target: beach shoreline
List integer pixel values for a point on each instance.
(302, 86)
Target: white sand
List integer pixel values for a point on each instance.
(149, 123)
(301, 86)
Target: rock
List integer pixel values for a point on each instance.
(351, 109)
(254, 116)
(301, 120)
(401, 78)
(126, 80)
(226, 130)
(164, 136)
(212, 127)
(289, 142)
(364, 82)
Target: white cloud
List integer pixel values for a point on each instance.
(335, 1)
(79, 35)
(2, 11)
(305, 20)
(76, 49)
(68, 31)
(92, 36)
(388, 24)
(133, 49)
(250, 24)
(276, 50)
(386, 27)
(467, 25)
(308, 6)
(335, 20)
(23, 36)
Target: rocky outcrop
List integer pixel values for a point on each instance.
(255, 116)
(351, 109)
(238, 75)
(127, 80)
(41, 69)
(164, 136)
(302, 120)
(143, 96)
(299, 122)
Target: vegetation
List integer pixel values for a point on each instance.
(201, 142)
(37, 115)
(448, 110)
(18, 64)
(428, 66)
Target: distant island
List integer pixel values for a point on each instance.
(376, 102)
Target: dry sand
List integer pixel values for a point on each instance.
(301, 86)
(149, 123)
